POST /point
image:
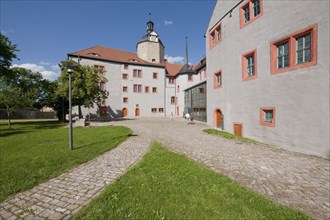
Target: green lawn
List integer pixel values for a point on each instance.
(229, 135)
(32, 152)
(165, 185)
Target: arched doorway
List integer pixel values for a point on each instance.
(218, 119)
(125, 112)
(137, 112)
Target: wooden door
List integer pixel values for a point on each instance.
(238, 129)
(103, 111)
(218, 119)
(125, 112)
(137, 112)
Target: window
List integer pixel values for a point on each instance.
(249, 65)
(126, 66)
(155, 75)
(161, 110)
(303, 49)
(137, 73)
(154, 89)
(137, 88)
(100, 69)
(178, 88)
(125, 76)
(267, 117)
(250, 11)
(146, 89)
(125, 100)
(171, 80)
(215, 36)
(283, 55)
(172, 100)
(218, 80)
(153, 110)
(297, 50)
(190, 77)
(125, 89)
(103, 103)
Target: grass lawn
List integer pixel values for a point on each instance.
(165, 185)
(229, 135)
(32, 152)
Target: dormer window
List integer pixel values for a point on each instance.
(94, 54)
(133, 60)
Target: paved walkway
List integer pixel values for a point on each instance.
(62, 197)
(296, 180)
(293, 179)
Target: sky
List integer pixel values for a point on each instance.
(46, 31)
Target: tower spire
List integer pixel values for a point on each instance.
(186, 50)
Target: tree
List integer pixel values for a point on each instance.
(7, 54)
(85, 85)
(21, 90)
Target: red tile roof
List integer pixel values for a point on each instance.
(110, 54)
(121, 56)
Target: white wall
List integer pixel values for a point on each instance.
(301, 97)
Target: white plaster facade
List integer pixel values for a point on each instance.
(299, 96)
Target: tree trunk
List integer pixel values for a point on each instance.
(8, 114)
(80, 113)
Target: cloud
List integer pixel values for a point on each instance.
(43, 63)
(167, 23)
(7, 31)
(51, 74)
(177, 59)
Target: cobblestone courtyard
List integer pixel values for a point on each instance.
(296, 180)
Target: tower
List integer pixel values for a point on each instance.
(150, 48)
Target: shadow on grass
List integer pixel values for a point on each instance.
(27, 127)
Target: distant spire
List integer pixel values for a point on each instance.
(186, 50)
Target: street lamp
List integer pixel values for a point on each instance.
(70, 71)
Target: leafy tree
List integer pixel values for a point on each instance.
(7, 54)
(21, 90)
(85, 85)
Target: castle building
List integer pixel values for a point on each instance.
(139, 84)
(268, 72)
(265, 75)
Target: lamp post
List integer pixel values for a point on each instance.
(70, 71)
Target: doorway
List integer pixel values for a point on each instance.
(238, 129)
(218, 119)
(125, 112)
(137, 112)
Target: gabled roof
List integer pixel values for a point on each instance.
(187, 69)
(173, 69)
(200, 65)
(115, 55)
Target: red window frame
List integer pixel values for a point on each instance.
(249, 4)
(245, 75)
(262, 116)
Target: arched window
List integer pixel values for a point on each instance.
(172, 100)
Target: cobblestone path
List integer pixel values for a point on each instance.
(63, 196)
(296, 180)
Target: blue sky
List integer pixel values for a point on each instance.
(45, 31)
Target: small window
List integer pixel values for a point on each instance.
(249, 65)
(153, 60)
(267, 117)
(283, 55)
(125, 89)
(190, 77)
(250, 12)
(215, 36)
(103, 86)
(154, 89)
(125, 76)
(155, 75)
(125, 100)
(137, 73)
(172, 100)
(303, 49)
(171, 80)
(178, 89)
(218, 80)
(146, 89)
(161, 110)
(137, 88)
(298, 50)
(126, 66)
(153, 110)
